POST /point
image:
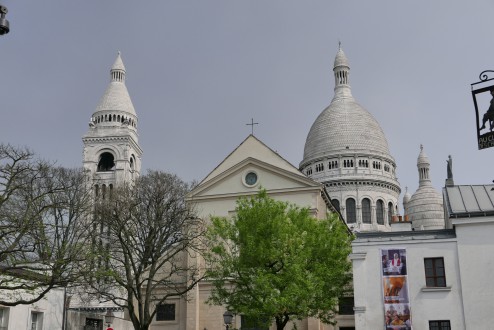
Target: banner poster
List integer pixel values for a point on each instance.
(394, 278)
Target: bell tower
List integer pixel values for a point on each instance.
(112, 154)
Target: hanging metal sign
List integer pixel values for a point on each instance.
(483, 96)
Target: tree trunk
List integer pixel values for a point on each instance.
(281, 322)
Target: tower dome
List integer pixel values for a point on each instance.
(112, 154)
(425, 208)
(346, 149)
(115, 107)
(344, 124)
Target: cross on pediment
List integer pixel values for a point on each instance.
(251, 124)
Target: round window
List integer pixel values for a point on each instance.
(251, 178)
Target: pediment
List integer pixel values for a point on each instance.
(234, 180)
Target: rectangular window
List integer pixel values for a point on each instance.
(345, 306)
(36, 321)
(439, 325)
(434, 272)
(4, 312)
(165, 312)
(93, 324)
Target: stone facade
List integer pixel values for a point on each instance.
(112, 154)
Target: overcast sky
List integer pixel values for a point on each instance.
(198, 71)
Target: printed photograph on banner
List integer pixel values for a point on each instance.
(397, 317)
(395, 290)
(394, 262)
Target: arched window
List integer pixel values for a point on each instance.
(351, 212)
(390, 213)
(132, 165)
(106, 162)
(336, 204)
(380, 212)
(96, 190)
(366, 210)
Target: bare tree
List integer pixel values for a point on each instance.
(148, 254)
(42, 232)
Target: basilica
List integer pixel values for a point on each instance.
(346, 168)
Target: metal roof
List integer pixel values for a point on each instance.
(469, 200)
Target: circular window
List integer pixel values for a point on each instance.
(251, 178)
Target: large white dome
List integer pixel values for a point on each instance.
(344, 125)
(347, 151)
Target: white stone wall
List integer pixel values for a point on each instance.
(425, 303)
(49, 308)
(476, 262)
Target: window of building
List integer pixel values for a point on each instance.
(345, 306)
(36, 321)
(309, 171)
(351, 213)
(333, 164)
(106, 162)
(93, 324)
(366, 210)
(336, 204)
(363, 163)
(165, 312)
(380, 212)
(4, 314)
(439, 325)
(376, 165)
(390, 212)
(348, 163)
(434, 272)
(319, 167)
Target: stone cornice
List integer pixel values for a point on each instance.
(352, 184)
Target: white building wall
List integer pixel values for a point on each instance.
(50, 308)
(426, 304)
(476, 255)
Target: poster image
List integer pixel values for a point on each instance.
(394, 280)
(394, 262)
(397, 317)
(395, 289)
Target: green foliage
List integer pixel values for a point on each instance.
(275, 261)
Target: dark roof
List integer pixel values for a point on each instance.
(469, 201)
(405, 235)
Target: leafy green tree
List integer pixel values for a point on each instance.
(273, 261)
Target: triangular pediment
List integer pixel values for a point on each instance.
(249, 167)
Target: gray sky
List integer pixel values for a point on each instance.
(198, 71)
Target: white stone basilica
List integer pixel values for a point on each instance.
(346, 166)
